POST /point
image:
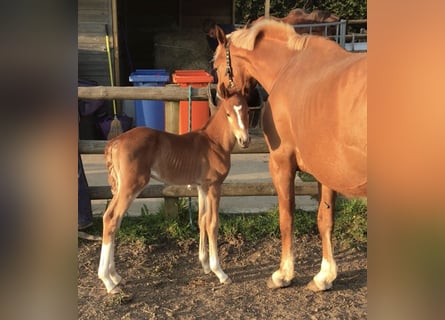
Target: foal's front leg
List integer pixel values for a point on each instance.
(325, 220)
(202, 216)
(212, 224)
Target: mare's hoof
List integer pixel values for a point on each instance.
(314, 288)
(272, 285)
(227, 281)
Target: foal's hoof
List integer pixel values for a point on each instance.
(206, 270)
(227, 281)
(315, 288)
(121, 298)
(272, 285)
(115, 290)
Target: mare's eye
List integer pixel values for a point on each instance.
(228, 115)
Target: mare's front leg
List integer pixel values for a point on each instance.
(202, 216)
(283, 169)
(212, 224)
(325, 220)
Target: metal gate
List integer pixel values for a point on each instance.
(335, 31)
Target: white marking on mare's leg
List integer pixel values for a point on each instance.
(283, 276)
(327, 274)
(238, 115)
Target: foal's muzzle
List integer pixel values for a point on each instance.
(243, 140)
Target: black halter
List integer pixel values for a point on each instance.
(229, 71)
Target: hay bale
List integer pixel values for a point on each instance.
(181, 50)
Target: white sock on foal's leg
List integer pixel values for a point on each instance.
(104, 267)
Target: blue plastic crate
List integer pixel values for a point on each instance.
(149, 75)
(149, 113)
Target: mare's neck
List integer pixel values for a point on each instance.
(265, 62)
(218, 130)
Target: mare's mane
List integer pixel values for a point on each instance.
(245, 38)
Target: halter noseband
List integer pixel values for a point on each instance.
(229, 71)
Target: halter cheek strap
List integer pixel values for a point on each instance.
(229, 72)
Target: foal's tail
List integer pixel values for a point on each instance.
(112, 166)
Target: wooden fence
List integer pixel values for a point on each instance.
(172, 95)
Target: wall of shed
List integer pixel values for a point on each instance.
(92, 55)
(152, 35)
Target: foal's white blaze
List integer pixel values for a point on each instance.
(238, 115)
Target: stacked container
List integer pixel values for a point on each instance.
(200, 112)
(149, 113)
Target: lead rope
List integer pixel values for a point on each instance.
(189, 130)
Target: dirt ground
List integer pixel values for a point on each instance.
(166, 281)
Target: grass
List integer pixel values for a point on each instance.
(350, 225)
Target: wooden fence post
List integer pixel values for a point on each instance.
(171, 207)
(172, 114)
(171, 204)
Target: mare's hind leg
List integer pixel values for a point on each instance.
(325, 220)
(283, 169)
(202, 216)
(212, 224)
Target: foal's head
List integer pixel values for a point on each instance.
(237, 113)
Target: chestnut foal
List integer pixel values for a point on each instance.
(201, 158)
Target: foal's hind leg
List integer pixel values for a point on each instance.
(111, 222)
(325, 219)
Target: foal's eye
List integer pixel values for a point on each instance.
(228, 115)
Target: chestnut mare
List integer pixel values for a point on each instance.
(315, 121)
(201, 158)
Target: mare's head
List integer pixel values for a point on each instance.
(238, 54)
(236, 111)
(232, 72)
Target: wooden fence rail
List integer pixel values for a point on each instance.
(171, 193)
(168, 93)
(257, 145)
(229, 189)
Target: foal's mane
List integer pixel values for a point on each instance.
(246, 38)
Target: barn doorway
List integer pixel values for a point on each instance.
(166, 34)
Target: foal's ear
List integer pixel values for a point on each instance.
(220, 35)
(222, 90)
